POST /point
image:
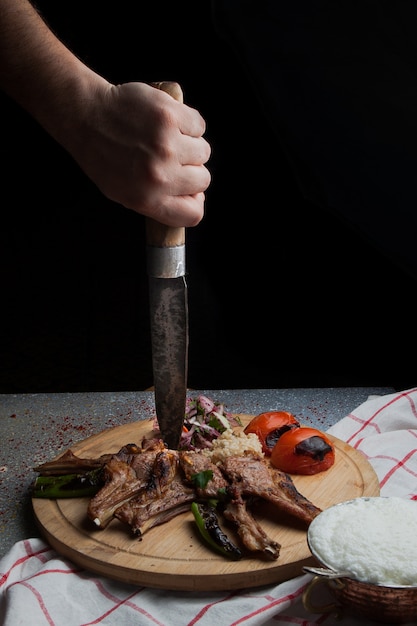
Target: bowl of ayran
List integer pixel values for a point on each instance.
(366, 551)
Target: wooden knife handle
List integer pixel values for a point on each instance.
(162, 236)
(158, 234)
(170, 87)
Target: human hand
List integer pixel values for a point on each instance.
(138, 144)
(144, 150)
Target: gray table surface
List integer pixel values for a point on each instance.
(36, 427)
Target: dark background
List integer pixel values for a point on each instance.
(281, 293)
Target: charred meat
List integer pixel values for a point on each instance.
(151, 486)
(196, 463)
(145, 486)
(154, 507)
(251, 533)
(250, 475)
(128, 473)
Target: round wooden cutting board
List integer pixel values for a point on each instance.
(173, 556)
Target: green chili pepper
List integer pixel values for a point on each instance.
(208, 525)
(68, 485)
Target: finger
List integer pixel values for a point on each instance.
(181, 211)
(190, 121)
(193, 151)
(191, 180)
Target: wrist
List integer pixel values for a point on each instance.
(41, 74)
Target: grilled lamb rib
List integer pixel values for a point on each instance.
(251, 533)
(249, 475)
(195, 462)
(152, 508)
(129, 472)
(148, 486)
(70, 463)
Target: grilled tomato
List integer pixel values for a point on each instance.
(270, 426)
(303, 450)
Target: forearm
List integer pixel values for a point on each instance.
(39, 72)
(141, 147)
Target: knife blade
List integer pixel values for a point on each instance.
(168, 302)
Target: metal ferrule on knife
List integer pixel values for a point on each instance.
(166, 262)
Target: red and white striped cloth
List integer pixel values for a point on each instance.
(38, 587)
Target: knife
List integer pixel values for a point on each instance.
(168, 301)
